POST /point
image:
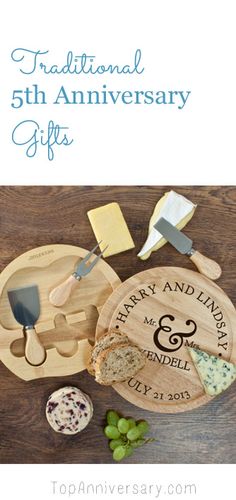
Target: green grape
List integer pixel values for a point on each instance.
(112, 417)
(143, 426)
(119, 453)
(123, 425)
(111, 432)
(115, 442)
(128, 451)
(131, 422)
(133, 434)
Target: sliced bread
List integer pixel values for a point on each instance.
(118, 363)
(113, 337)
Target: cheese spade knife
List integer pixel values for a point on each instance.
(25, 306)
(184, 245)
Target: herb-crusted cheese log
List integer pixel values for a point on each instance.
(69, 410)
(216, 374)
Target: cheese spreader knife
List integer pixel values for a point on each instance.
(59, 295)
(184, 245)
(25, 306)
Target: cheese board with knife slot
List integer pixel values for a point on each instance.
(63, 332)
(166, 311)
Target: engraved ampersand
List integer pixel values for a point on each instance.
(175, 339)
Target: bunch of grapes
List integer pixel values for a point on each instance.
(125, 434)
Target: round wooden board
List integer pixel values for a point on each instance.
(65, 331)
(156, 304)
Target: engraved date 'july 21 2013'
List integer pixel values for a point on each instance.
(148, 391)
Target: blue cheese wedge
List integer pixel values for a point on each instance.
(69, 410)
(215, 373)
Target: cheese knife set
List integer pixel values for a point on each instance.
(25, 305)
(56, 301)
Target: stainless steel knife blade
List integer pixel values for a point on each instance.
(25, 304)
(184, 245)
(181, 242)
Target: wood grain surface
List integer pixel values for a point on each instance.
(34, 216)
(154, 314)
(64, 332)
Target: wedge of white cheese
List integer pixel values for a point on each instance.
(215, 373)
(177, 209)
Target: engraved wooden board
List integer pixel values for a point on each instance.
(164, 310)
(65, 332)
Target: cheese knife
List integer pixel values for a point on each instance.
(25, 306)
(184, 245)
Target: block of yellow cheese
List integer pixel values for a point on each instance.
(109, 226)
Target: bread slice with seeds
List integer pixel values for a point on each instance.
(112, 337)
(118, 363)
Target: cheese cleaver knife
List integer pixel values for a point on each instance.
(184, 245)
(25, 306)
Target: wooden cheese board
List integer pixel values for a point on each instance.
(66, 332)
(164, 310)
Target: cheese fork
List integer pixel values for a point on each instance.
(59, 295)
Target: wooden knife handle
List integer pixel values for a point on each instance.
(206, 266)
(34, 351)
(59, 295)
